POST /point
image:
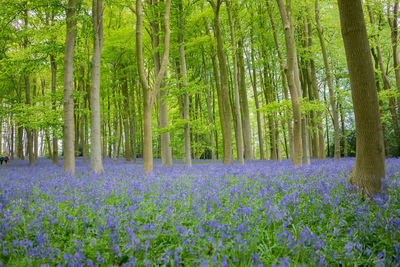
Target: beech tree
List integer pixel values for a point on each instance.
(69, 133)
(293, 79)
(96, 162)
(369, 167)
(149, 93)
(223, 94)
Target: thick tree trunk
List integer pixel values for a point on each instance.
(69, 134)
(96, 163)
(332, 97)
(369, 167)
(293, 81)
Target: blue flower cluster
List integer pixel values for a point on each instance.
(261, 213)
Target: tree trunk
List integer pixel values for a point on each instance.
(238, 124)
(244, 107)
(386, 82)
(344, 132)
(224, 96)
(332, 97)
(369, 167)
(96, 163)
(69, 134)
(283, 79)
(293, 81)
(149, 94)
(253, 77)
(394, 38)
(182, 58)
(125, 116)
(133, 127)
(35, 136)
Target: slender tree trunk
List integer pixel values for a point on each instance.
(238, 124)
(218, 89)
(150, 93)
(35, 131)
(315, 93)
(69, 133)
(28, 98)
(125, 117)
(293, 81)
(244, 107)
(344, 132)
(283, 78)
(96, 163)
(187, 152)
(393, 22)
(369, 167)
(224, 96)
(133, 124)
(253, 77)
(386, 82)
(332, 97)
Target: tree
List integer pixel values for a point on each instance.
(149, 93)
(238, 128)
(329, 79)
(293, 79)
(369, 167)
(182, 60)
(96, 163)
(69, 133)
(166, 153)
(223, 97)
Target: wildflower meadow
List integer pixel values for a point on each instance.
(261, 213)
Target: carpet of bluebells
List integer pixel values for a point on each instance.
(262, 213)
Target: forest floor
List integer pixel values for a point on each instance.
(260, 213)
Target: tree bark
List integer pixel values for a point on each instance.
(69, 133)
(28, 97)
(182, 58)
(149, 94)
(253, 77)
(125, 116)
(369, 167)
(166, 152)
(244, 107)
(394, 38)
(385, 79)
(283, 79)
(224, 96)
(293, 80)
(238, 125)
(96, 163)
